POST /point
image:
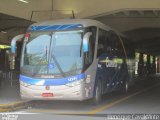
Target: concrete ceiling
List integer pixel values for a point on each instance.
(82, 8)
(141, 26)
(10, 26)
(138, 19)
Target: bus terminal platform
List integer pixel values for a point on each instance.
(10, 96)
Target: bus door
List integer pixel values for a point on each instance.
(108, 66)
(119, 59)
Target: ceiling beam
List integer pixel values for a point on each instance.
(148, 43)
(156, 13)
(149, 40)
(13, 27)
(126, 13)
(152, 49)
(157, 53)
(141, 13)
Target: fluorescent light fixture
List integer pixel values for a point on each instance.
(24, 1)
(4, 46)
(3, 32)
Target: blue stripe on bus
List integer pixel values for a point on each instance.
(51, 81)
(55, 27)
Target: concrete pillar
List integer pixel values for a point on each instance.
(148, 64)
(154, 65)
(158, 65)
(140, 65)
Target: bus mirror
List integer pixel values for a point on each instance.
(13, 42)
(86, 41)
(13, 50)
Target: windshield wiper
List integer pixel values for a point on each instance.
(54, 58)
(58, 65)
(81, 47)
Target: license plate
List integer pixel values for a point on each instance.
(47, 95)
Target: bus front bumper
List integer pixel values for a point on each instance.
(62, 92)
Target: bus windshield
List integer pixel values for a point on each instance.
(52, 53)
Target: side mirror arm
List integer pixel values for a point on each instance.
(86, 41)
(13, 50)
(13, 42)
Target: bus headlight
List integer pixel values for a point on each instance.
(24, 84)
(72, 84)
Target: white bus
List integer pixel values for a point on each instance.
(74, 59)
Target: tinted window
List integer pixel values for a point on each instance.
(109, 43)
(103, 42)
(116, 45)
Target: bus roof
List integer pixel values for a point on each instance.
(83, 22)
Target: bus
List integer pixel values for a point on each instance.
(73, 59)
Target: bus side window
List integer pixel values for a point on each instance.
(105, 43)
(129, 46)
(117, 48)
(102, 40)
(120, 49)
(108, 44)
(92, 43)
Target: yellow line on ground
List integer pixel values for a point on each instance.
(92, 112)
(13, 103)
(5, 110)
(55, 112)
(11, 109)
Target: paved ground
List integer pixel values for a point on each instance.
(9, 94)
(143, 98)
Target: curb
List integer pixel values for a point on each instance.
(15, 106)
(19, 105)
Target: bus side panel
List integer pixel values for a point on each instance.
(111, 72)
(112, 67)
(90, 79)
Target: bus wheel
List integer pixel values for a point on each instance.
(98, 96)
